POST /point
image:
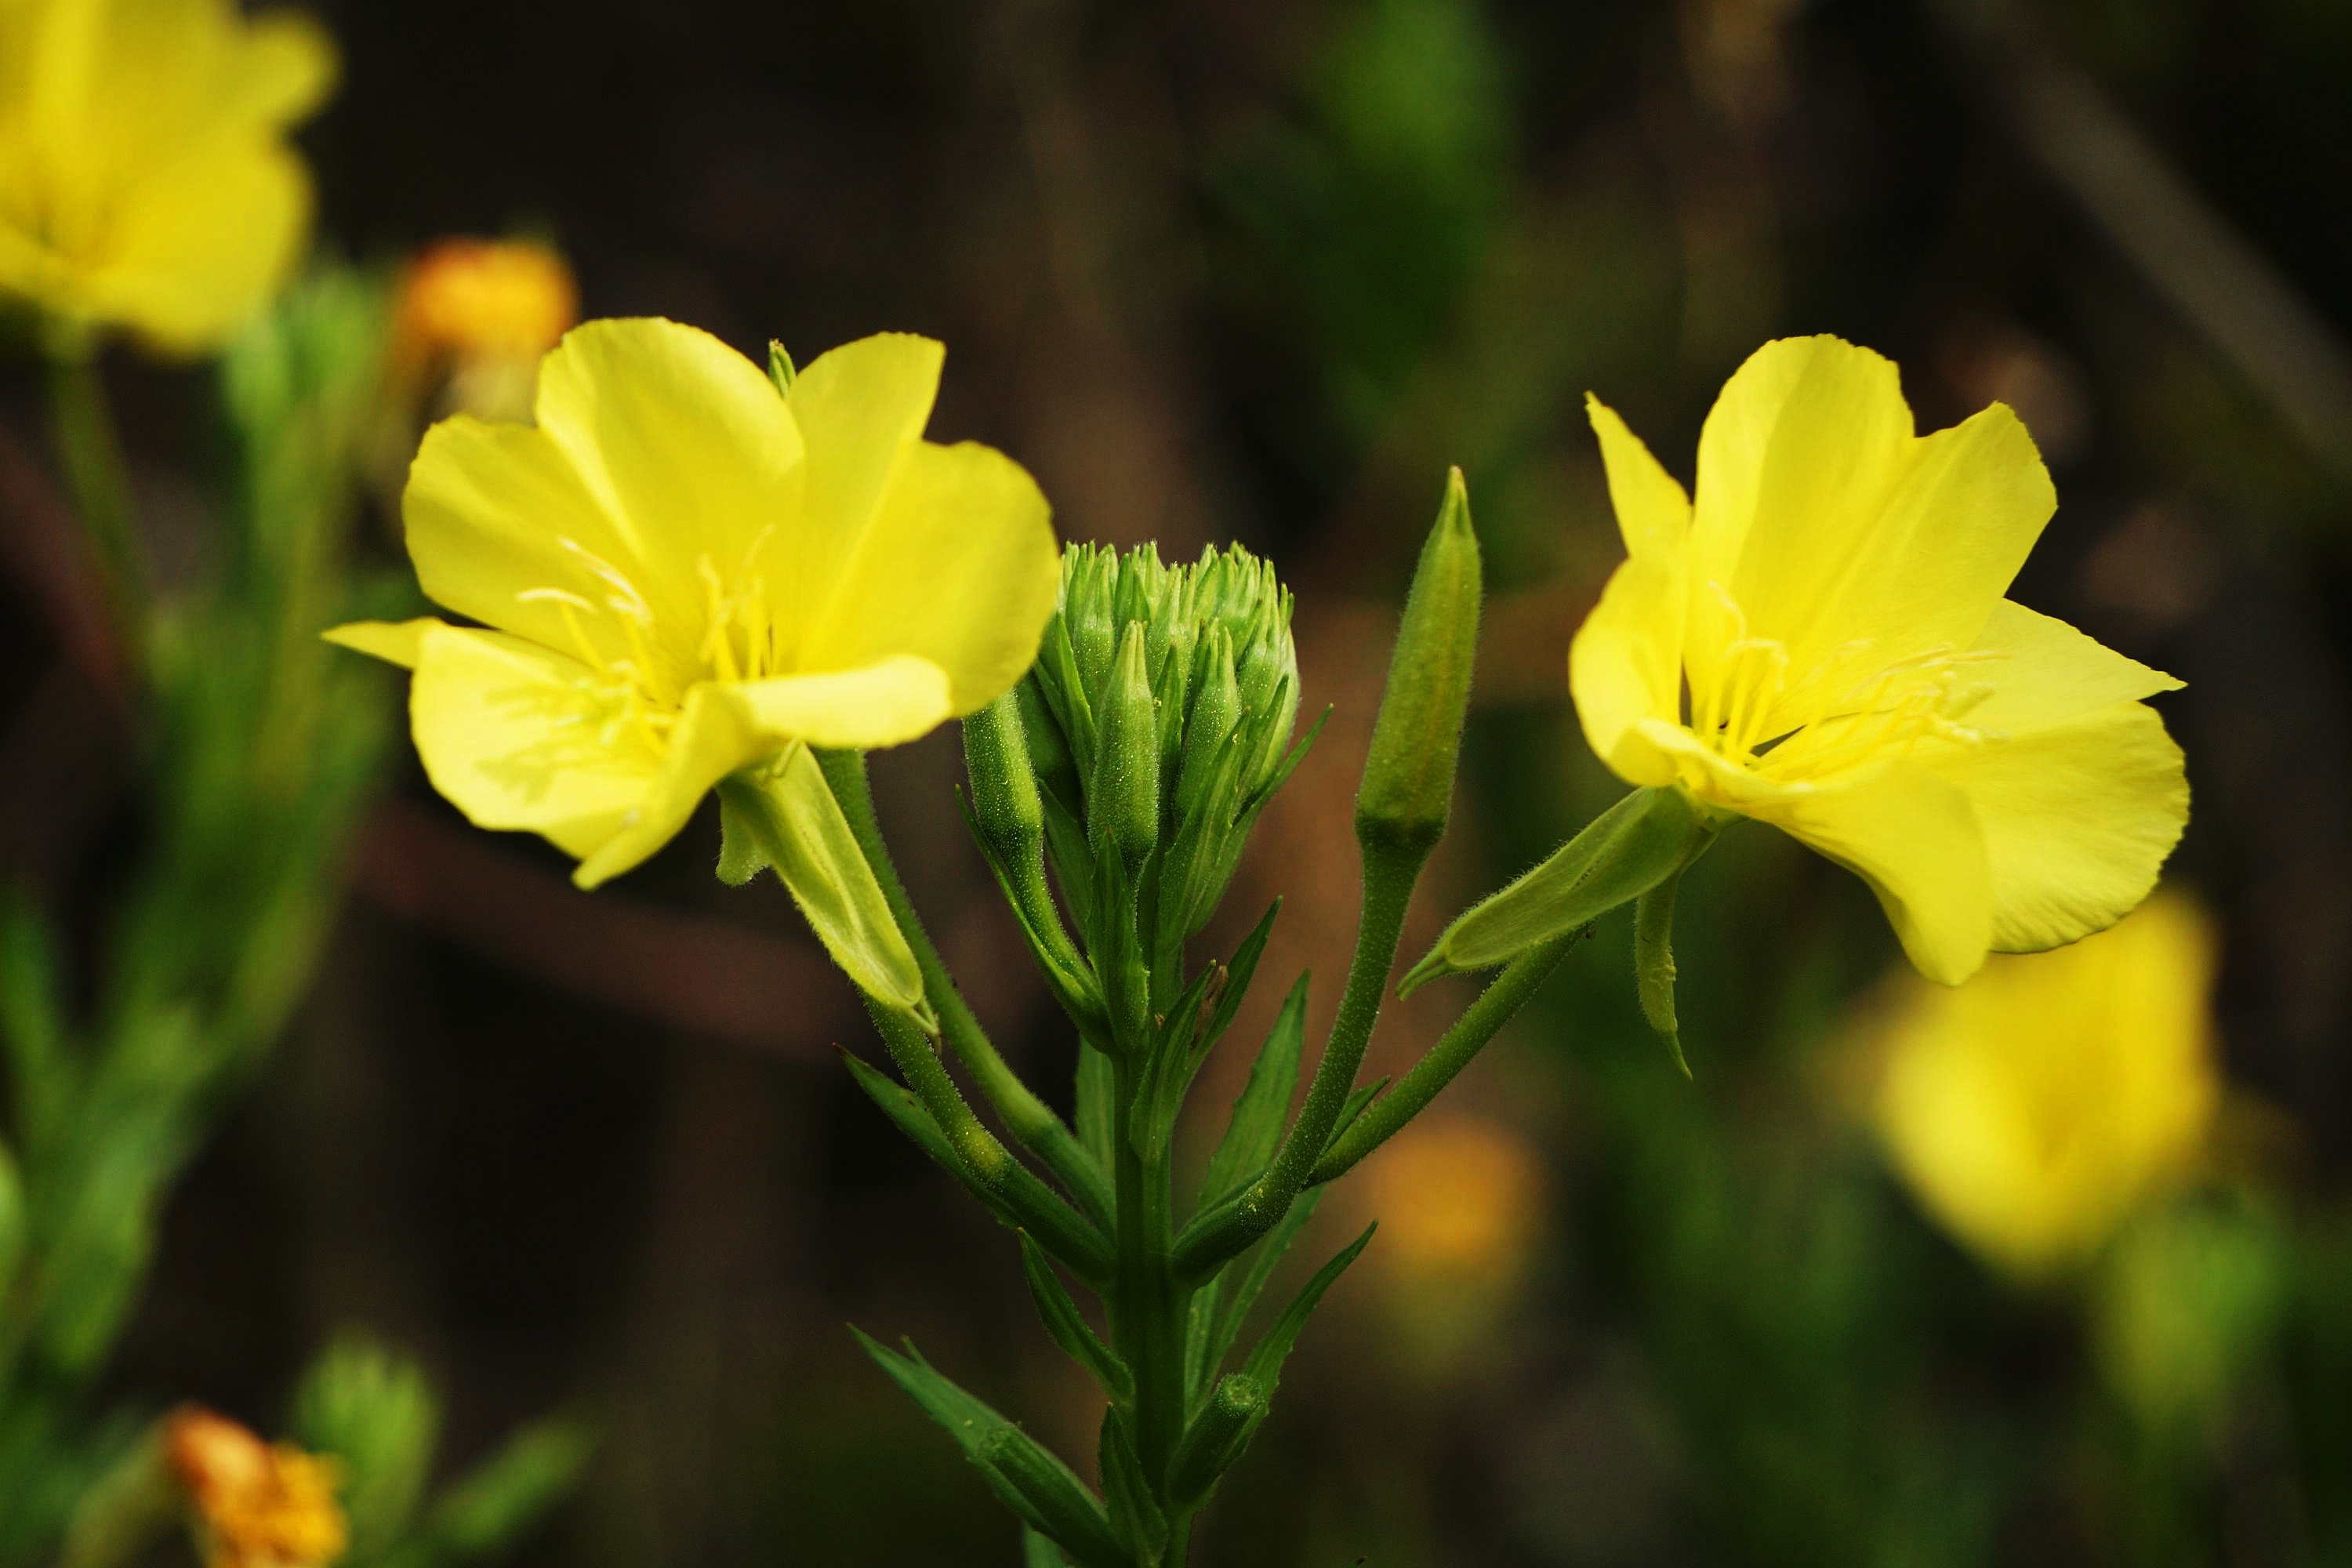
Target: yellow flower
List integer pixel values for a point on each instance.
(2036, 1108)
(261, 1505)
(685, 574)
(1821, 642)
(145, 180)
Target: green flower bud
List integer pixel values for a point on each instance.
(1215, 1438)
(1216, 709)
(1407, 784)
(1123, 800)
(1004, 800)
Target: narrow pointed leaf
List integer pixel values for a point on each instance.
(1030, 1481)
(1070, 1327)
(1135, 1515)
(1266, 1359)
(1241, 970)
(1255, 1130)
(1257, 1267)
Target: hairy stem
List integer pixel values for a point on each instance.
(1030, 1119)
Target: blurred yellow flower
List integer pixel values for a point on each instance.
(685, 573)
(261, 1505)
(145, 178)
(483, 310)
(1821, 642)
(2036, 1108)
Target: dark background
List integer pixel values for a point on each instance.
(1260, 272)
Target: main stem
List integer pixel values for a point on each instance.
(1147, 1306)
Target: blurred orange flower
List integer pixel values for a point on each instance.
(483, 311)
(263, 1505)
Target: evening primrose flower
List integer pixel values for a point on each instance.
(145, 178)
(1820, 640)
(259, 1505)
(2039, 1106)
(682, 574)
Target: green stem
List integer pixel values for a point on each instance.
(1495, 1007)
(1059, 1229)
(1391, 866)
(96, 479)
(1030, 1119)
(1146, 1307)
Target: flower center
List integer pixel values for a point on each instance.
(1762, 711)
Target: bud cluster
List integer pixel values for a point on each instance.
(1158, 721)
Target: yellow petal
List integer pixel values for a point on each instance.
(956, 566)
(192, 254)
(714, 736)
(1624, 669)
(285, 68)
(1914, 838)
(1927, 566)
(2048, 671)
(886, 703)
(687, 449)
(395, 642)
(1653, 515)
(1801, 449)
(2078, 815)
(513, 736)
(503, 531)
(859, 408)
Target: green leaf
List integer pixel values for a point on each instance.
(1039, 1551)
(1653, 965)
(1135, 1515)
(1255, 1130)
(33, 1029)
(1220, 1314)
(1266, 1359)
(1030, 1481)
(1070, 1327)
(1097, 1090)
(1239, 972)
(1623, 853)
(504, 1495)
(379, 1417)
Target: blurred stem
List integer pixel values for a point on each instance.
(98, 482)
(1495, 1007)
(1029, 1118)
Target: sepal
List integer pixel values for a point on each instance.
(1630, 848)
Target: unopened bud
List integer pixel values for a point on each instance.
(1123, 804)
(1407, 784)
(1005, 801)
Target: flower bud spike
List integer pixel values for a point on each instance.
(1123, 797)
(1407, 784)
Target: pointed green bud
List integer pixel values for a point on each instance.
(783, 814)
(1216, 709)
(1123, 800)
(1623, 853)
(1089, 594)
(1407, 784)
(1003, 785)
(1215, 1438)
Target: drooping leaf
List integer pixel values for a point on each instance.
(1030, 1481)
(1070, 1327)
